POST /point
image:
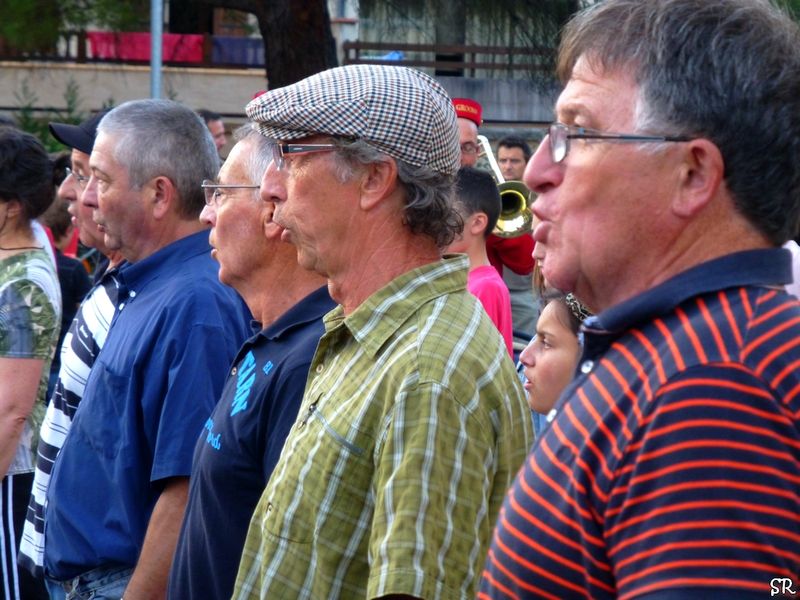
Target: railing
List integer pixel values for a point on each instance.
(459, 59)
(197, 50)
(204, 50)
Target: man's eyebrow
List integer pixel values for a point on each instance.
(97, 170)
(570, 110)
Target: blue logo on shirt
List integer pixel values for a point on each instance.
(244, 382)
(268, 367)
(211, 439)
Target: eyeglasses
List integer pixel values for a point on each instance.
(82, 180)
(280, 151)
(469, 148)
(559, 136)
(212, 192)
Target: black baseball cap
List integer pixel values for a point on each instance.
(81, 137)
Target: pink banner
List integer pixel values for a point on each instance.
(177, 47)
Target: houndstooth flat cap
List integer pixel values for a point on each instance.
(399, 111)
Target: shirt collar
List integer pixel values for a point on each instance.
(763, 267)
(382, 314)
(165, 260)
(312, 307)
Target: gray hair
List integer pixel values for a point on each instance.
(260, 156)
(724, 70)
(430, 195)
(163, 138)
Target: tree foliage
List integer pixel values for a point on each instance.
(34, 25)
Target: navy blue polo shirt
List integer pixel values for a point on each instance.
(239, 447)
(152, 387)
(672, 467)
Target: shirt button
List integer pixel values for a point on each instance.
(587, 366)
(233, 371)
(132, 294)
(269, 507)
(121, 305)
(320, 368)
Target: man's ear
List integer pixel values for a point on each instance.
(701, 174)
(378, 181)
(272, 231)
(477, 223)
(163, 195)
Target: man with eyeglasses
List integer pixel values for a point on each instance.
(118, 487)
(84, 339)
(243, 437)
(672, 466)
(469, 113)
(504, 253)
(413, 422)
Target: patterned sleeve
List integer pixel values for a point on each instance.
(27, 321)
(432, 483)
(514, 253)
(707, 495)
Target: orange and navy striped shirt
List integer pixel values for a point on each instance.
(672, 466)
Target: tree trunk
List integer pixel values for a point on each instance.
(298, 41)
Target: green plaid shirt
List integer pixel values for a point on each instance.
(412, 427)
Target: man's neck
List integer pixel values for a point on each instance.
(375, 268)
(277, 288)
(477, 255)
(165, 235)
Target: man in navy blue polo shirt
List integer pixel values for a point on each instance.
(243, 438)
(118, 488)
(672, 466)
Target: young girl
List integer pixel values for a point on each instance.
(549, 360)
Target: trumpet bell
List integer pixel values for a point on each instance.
(515, 215)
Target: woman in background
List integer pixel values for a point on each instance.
(30, 307)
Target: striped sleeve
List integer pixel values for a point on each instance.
(706, 495)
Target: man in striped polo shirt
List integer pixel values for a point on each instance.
(412, 425)
(671, 468)
(83, 341)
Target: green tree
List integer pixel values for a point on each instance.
(37, 124)
(33, 26)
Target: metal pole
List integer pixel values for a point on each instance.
(156, 29)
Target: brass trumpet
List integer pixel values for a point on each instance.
(515, 198)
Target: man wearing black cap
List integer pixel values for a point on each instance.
(82, 342)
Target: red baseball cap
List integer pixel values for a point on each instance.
(468, 109)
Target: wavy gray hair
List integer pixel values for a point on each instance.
(259, 158)
(430, 195)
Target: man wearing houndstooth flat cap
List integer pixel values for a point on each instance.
(413, 423)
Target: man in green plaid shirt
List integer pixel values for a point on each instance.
(413, 423)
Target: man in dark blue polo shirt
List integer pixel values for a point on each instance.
(672, 466)
(119, 485)
(243, 438)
